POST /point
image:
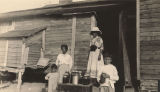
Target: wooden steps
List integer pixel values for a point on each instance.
(129, 89)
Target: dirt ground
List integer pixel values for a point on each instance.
(30, 87)
(26, 87)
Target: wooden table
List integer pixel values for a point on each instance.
(68, 87)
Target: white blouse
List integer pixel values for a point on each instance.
(64, 59)
(98, 42)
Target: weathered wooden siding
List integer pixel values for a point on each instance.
(10, 53)
(59, 31)
(2, 52)
(35, 44)
(65, 1)
(82, 41)
(150, 39)
(149, 44)
(14, 53)
(149, 86)
(4, 27)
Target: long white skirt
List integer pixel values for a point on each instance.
(94, 64)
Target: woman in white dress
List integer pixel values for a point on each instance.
(95, 60)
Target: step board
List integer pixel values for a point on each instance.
(129, 89)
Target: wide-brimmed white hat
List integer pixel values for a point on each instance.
(95, 29)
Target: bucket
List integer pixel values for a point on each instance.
(75, 77)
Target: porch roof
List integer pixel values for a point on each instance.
(74, 7)
(22, 33)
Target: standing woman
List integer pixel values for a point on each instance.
(95, 60)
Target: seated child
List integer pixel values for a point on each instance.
(52, 78)
(108, 75)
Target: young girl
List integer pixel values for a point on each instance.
(108, 75)
(52, 78)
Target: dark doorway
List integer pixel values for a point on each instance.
(108, 23)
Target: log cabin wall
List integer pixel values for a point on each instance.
(59, 31)
(149, 44)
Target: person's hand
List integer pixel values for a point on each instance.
(46, 78)
(105, 75)
(69, 72)
(99, 57)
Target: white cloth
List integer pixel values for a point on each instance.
(112, 72)
(106, 89)
(52, 81)
(96, 29)
(93, 63)
(64, 59)
(97, 41)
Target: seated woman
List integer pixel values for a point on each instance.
(64, 62)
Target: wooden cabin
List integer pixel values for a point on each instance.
(70, 23)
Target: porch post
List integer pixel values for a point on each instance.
(43, 43)
(138, 38)
(19, 81)
(6, 54)
(73, 37)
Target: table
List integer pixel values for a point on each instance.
(68, 87)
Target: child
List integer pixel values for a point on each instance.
(108, 75)
(52, 78)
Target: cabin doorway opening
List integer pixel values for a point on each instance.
(108, 22)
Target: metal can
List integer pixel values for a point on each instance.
(75, 77)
